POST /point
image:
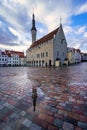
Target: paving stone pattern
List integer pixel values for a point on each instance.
(61, 102)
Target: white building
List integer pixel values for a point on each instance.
(12, 58)
(15, 58)
(3, 59)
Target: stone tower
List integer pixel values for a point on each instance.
(33, 30)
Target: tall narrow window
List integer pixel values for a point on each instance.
(37, 55)
(46, 54)
(43, 54)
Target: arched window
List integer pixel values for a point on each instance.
(46, 54)
(43, 54)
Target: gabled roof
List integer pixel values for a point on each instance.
(45, 38)
(9, 52)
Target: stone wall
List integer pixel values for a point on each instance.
(60, 46)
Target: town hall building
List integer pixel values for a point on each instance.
(47, 50)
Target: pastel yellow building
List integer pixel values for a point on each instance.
(73, 56)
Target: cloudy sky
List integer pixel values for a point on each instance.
(16, 18)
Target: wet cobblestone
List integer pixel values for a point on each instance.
(61, 102)
(68, 126)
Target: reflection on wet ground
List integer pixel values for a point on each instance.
(43, 98)
(34, 96)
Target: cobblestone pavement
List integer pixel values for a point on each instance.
(43, 98)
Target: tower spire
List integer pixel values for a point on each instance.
(60, 20)
(33, 29)
(33, 23)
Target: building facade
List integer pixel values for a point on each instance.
(3, 59)
(77, 56)
(73, 55)
(12, 58)
(48, 49)
(84, 57)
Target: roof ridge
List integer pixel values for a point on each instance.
(44, 38)
(14, 51)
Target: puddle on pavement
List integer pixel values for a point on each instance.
(38, 96)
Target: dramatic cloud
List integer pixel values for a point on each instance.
(16, 18)
(81, 9)
(76, 37)
(85, 34)
(6, 37)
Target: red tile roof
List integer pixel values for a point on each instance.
(9, 52)
(78, 50)
(45, 38)
(3, 53)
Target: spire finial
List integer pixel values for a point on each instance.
(60, 20)
(33, 10)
